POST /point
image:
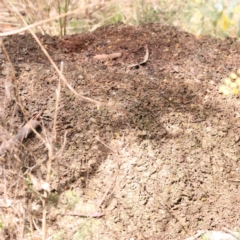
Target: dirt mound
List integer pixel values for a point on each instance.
(161, 161)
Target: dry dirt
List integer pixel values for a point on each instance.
(161, 161)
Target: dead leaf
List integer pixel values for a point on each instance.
(5, 203)
(39, 184)
(45, 186)
(145, 59)
(26, 129)
(21, 135)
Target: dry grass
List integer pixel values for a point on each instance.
(198, 17)
(93, 14)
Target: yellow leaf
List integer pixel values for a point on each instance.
(235, 91)
(224, 22)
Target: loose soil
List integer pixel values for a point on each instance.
(160, 160)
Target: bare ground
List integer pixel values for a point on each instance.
(161, 161)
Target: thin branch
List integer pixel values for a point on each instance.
(57, 105)
(93, 215)
(97, 138)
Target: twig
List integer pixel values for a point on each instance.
(106, 192)
(93, 215)
(97, 138)
(103, 57)
(196, 236)
(59, 153)
(49, 144)
(114, 177)
(168, 208)
(36, 226)
(58, 90)
(234, 234)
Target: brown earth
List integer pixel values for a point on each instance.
(160, 162)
